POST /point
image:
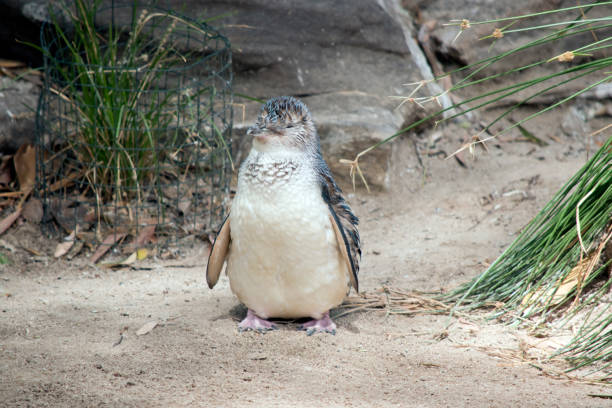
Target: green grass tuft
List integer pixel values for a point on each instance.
(122, 111)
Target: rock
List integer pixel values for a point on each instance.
(37, 11)
(350, 122)
(343, 58)
(310, 48)
(18, 100)
(451, 52)
(468, 48)
(33, 210)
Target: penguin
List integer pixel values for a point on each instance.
(290, 240)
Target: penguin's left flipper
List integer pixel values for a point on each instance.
(344, 248)
(218, 252)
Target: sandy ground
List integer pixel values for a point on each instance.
(61, 323)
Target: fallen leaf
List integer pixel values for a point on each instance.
(146, 328)
(66, 181)
(127, 261)
(25, 167)
(145, 235)
(63, 247)
(142, 253)
(108, 242)
(130, 259)
(561, 289)
(33, 251)
(33, 210)
(4, 63)
(9, 220)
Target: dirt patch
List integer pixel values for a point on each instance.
(68, 331)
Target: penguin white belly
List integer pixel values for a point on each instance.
(284, 259)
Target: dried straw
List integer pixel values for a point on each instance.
(392, 301)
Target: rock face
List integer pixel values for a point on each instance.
(468, 48)
(344, 58)
(18, 101)
(309, 48)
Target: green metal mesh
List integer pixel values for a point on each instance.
(139, 147)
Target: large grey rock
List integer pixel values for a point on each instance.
(313, 47)
(351, 122)
(343, 58)
(18, 101)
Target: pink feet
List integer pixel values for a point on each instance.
(255, 323)
(323, 325)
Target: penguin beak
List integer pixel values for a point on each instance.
(260, 134)
(264, 134)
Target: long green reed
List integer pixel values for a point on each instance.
(550, 269)
(527, 275)
(591, 348)
(114, 82)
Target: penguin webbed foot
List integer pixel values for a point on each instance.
(255, 323)
(323, 325)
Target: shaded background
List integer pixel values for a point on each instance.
(344, 58)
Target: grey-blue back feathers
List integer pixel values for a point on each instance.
(344, 216)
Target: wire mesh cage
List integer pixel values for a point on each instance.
(133, 125)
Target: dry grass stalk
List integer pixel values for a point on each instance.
(392, 301)
(520, 356)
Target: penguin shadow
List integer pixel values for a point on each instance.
(239, 312)
(346, 322)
